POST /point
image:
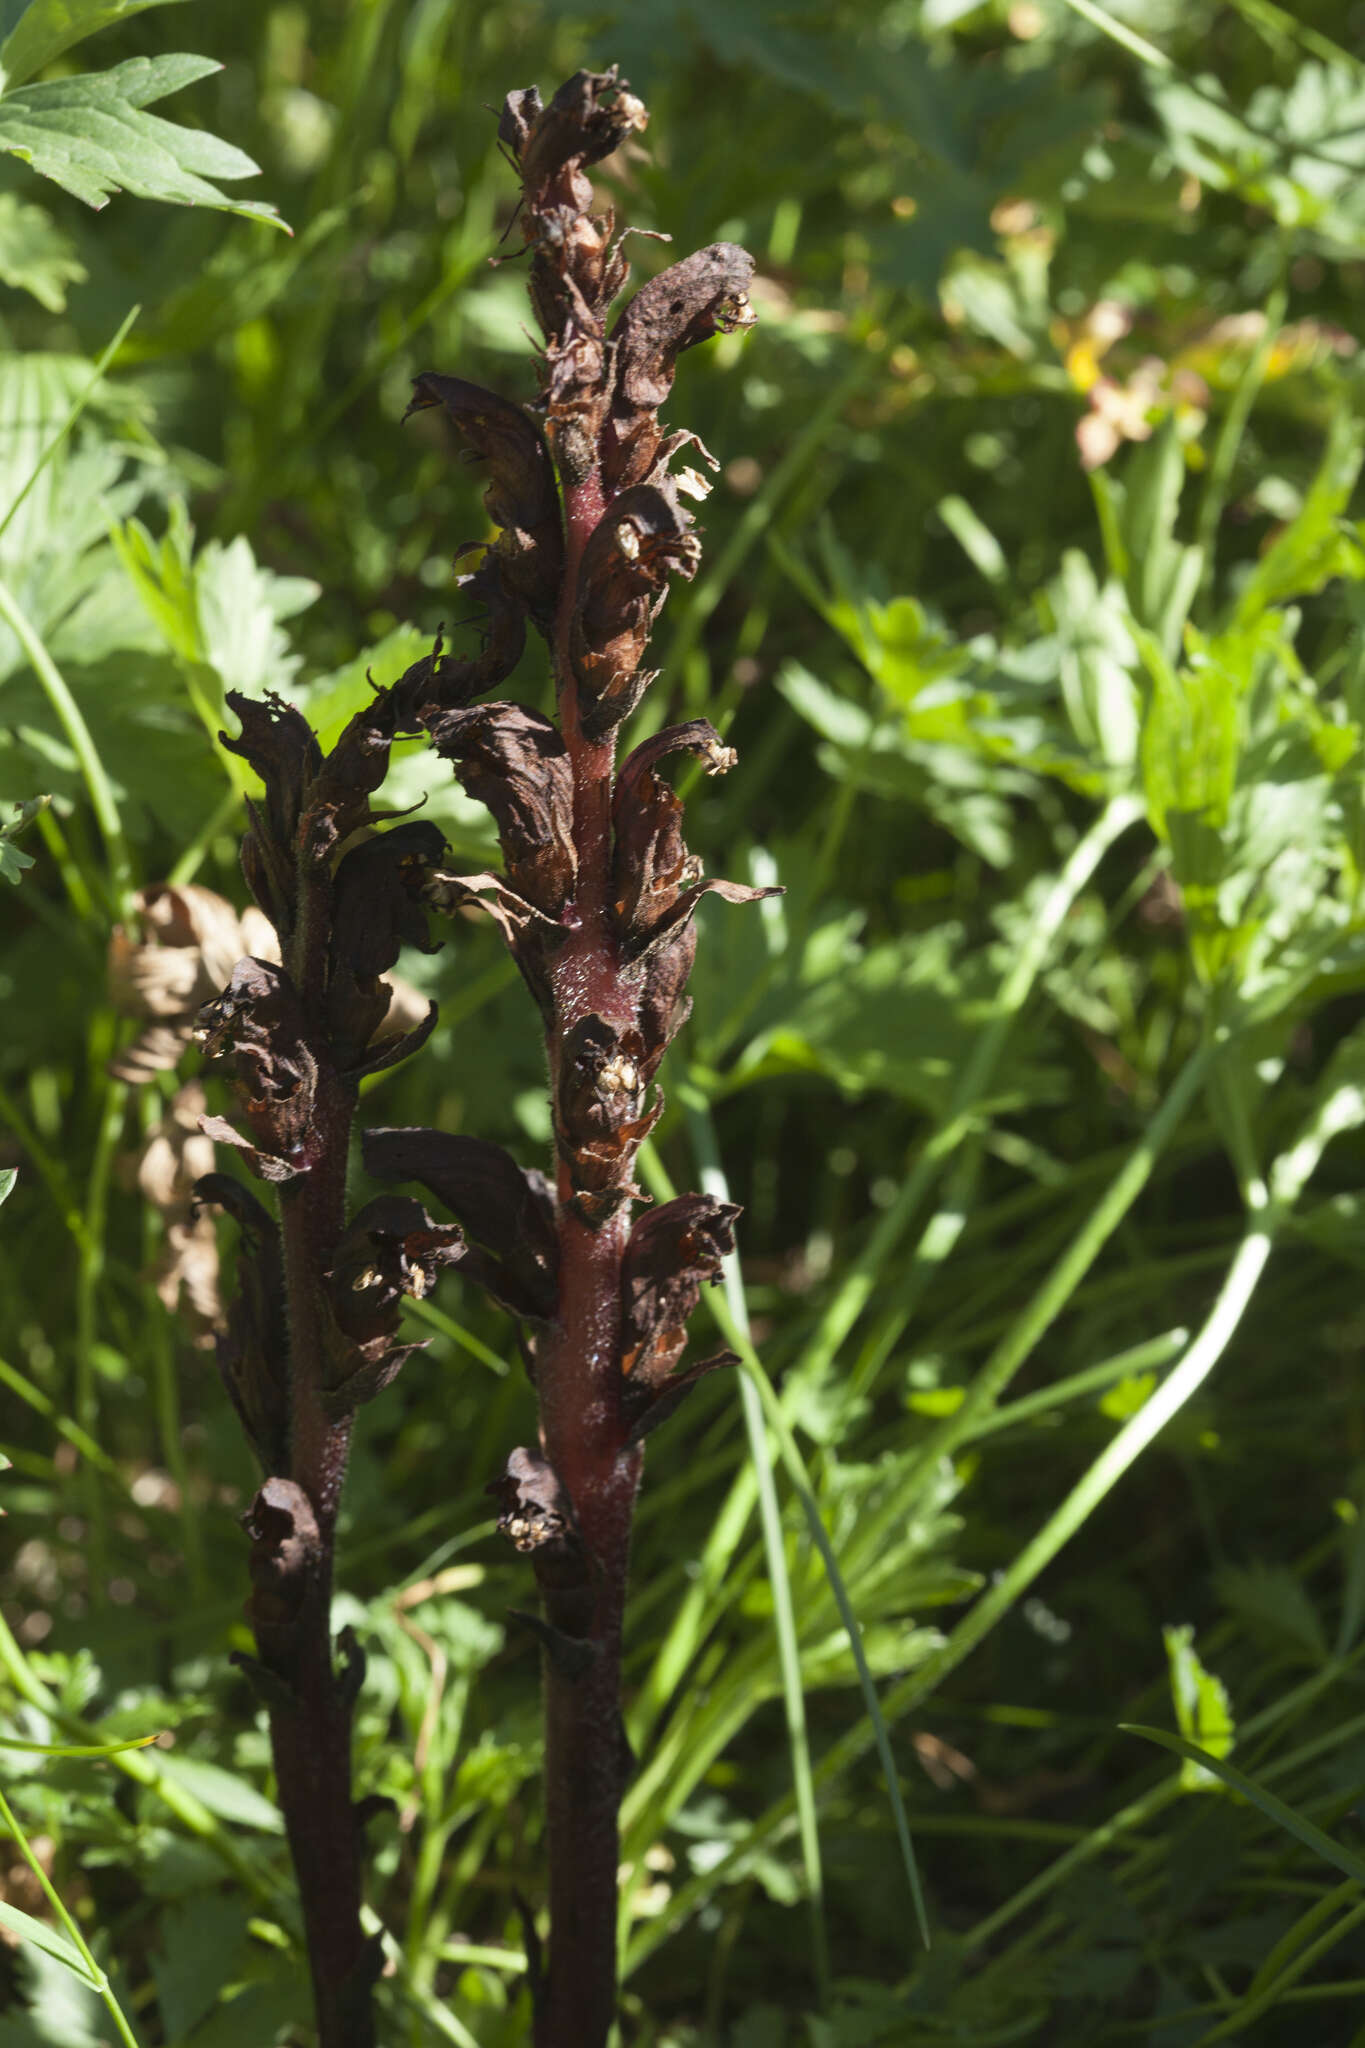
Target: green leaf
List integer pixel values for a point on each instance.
(218, 610)
(48, 27)
(1097, 657)
(1274, 155)
(90, 135)
(204, 1947)
(1191, 743)
(222, 1792)
(12, 861)
(35, 256)
(46, 1938)
(63, 2010)
(1319, 544)
(1272, 1603)
(834, 717)
(1202, 1707)
(975, 538)
(1163, 574)
(8, 1176)
(1274, 1809)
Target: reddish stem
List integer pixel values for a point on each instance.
(578, 1383)
(311, 1741)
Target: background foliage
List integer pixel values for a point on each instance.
(1032, 600)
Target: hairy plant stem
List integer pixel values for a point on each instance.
(578, 1382)
(310, 1735)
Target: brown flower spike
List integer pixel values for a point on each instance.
(312, 1329)
(595, 901)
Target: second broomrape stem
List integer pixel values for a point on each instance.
(311, 1741)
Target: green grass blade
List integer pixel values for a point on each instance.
(1233, 429)
(1066, 1275)
(759, 1392)
(1274, 1993)
(26, 1928)
(970, 1084)
(75, 1749)
(1104, 1474)
(1274, 1809)
(42, 1404)
(1151, 1356)
(770, 1519)
(1118, 32)
(74, 411)
(1078, 1505)
(79, 1959)
(791, 1458)
(68, 715)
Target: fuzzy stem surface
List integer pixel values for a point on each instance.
(578, 1381)
(310, 1734)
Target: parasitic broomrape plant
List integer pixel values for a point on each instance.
(595, 901)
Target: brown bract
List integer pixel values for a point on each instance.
(507, 1209)
(184, 946)
(392, 1251)
(286, 1556)
(577, 267)
(601, 1116)
(253, 1351)
(378, 907)
(258, 1022)
(313, 804)
(531, 937)
(650, 863)
(622, 581)
(513, 760)
(706, 293)
(441, 681)
(521, 498)
(537, 1517)
(673, 1250)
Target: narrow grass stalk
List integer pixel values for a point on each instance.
(1304, 1930)
(855, 1290)
(714, 1182)
(142, 1768)
(1151, 1356)
(1252, 2007)
(1340, 1111)
(68, 715)
(89, 1271)
(970, 1084)
(1141, 1430)
(42, 1404)
(1057, 1290)
(1097, 1842)
(74, 411)
(98, 1980)
(1234, 426)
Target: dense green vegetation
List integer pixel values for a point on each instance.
(1032, 601)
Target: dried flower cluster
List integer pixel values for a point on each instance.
(595, 900)
(312, 1329)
